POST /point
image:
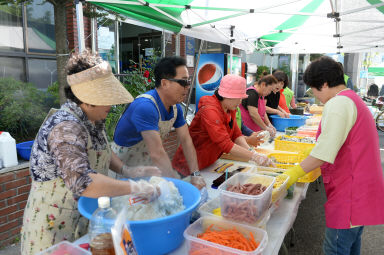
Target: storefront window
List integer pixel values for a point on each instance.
(42, 72)
(41, 28)
(106, 44)
(11, 28)
(12, 67)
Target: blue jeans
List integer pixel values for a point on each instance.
(342, 241)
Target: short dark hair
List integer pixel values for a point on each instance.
(281, 76)
(166, 68)
(324, 70)
(69, 95)
(268, 80)
(220, 98)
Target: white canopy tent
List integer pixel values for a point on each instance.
(273, 26)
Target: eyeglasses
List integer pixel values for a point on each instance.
(182, 82)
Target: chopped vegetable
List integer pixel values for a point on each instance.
(227, 237)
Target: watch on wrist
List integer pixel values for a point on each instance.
(196, 173)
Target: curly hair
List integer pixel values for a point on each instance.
(77, 62)
(80, 61)
(324, 70)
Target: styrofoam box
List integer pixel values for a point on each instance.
(207, 208)
(64, 247)
(245, 208)
(203, 223)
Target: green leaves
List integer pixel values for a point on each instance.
(22, 108)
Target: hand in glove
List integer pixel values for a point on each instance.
(271, 130)
(198, 182)
(140, 171)
(254, 139)
(261, 160)
(144, 189)
(294, 174)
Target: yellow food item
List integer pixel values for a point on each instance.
(217, 211)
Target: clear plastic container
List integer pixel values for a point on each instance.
(64, 247)
(100, 226)
(279, 187)
(214, 204)
(244, 208)
(198, 227)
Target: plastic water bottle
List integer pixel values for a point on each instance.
(100, 228)
(8, 154)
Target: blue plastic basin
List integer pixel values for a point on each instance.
(293, 121)
(24, 149)
(157, 236)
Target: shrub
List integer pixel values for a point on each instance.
(136, 81)
(22, 108)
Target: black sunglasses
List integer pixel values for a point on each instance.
(182, 82)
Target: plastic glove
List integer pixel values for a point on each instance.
(261, 160)
(254, 139)
(294, 174)
(281, 114)
(144, 189)
(272, 131)
(140, 171)
(198, 182)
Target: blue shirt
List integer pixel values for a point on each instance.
(142, 115)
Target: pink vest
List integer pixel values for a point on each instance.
(246, 117)
(354, 184)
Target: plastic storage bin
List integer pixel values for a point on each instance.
(287, 160)
(279, 190)
(24, 149)
(292, 146)
(64, 248)
(196, 244)
(307, 131)
(207, 210)
(243, 208)
(293, 121)
(157, 236)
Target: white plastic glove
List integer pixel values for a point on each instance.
(144, 189)
(271, 130)
(198, 182)
(261, 160)
(140, 171)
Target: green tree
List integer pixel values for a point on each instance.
(59, 7)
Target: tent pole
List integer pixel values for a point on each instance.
(177, 40)
(270, 66)
(80, 25)
(193, 78)
(163, 42)
(231, 55)
(117, 48)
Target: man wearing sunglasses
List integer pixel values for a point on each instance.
(150, 117)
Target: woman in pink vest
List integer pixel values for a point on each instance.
(253, 112)
(347, 150)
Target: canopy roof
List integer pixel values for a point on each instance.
(275, 26)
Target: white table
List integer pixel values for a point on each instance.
(281, 219)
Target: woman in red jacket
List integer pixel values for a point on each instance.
(214, 129)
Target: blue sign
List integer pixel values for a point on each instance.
(210, 71)
(190, 45)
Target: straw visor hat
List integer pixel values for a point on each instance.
(98, 86)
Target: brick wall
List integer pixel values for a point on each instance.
(14, 191)
(72, 29)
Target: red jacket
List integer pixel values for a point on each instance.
(211, 134)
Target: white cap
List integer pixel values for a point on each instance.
(103, 202)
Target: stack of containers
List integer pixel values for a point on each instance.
(247, 213)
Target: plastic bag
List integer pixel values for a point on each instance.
(121, 235)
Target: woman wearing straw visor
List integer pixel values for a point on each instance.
(214, 129)
(71, 156)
